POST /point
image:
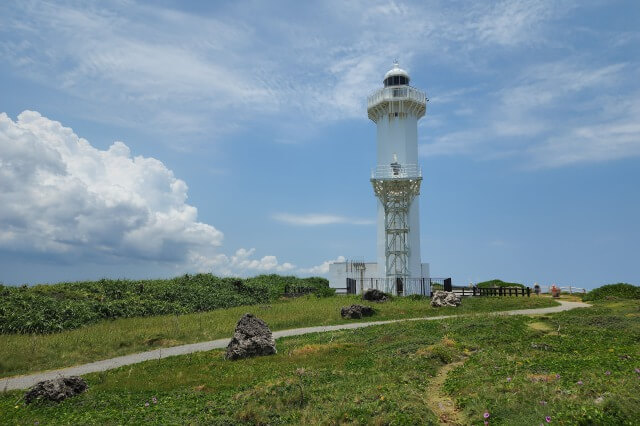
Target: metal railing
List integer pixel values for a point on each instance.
(396, 93)
(564, 289)
(397, 286)
(396, 171)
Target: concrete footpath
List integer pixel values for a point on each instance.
(26, 381)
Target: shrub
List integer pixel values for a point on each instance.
(613, 291)
(325, 292)
(64, 306)
(498, 283)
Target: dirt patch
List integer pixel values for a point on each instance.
(544, 327)
(448, 342)
(542, 377)
(444, 350)
(540, 326)
(160, 341)
(440, 403)
(313, 349)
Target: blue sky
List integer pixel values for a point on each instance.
(150, 140)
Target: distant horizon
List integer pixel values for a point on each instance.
(143, 140)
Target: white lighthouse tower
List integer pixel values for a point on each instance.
(396, 109)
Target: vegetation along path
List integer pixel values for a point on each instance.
(26, 381)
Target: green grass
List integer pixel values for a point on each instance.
(383, 375)
(29, 353)
(613, 291)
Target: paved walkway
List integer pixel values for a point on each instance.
(24, 382)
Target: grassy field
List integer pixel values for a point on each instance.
(29, 353)
(576, 367)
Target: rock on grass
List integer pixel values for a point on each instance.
(375, 295)
(445, 298)
(56, 390)
(356, 311)
(252, 337)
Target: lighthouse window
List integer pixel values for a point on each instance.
(396, 80)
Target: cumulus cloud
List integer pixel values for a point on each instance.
(323, 268)
(241, 263)
(61, 196)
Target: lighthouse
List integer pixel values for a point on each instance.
(396, 178)
(396, 109)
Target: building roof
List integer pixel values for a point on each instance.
(396, 70)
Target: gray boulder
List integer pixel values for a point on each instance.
(374, 295)
(445, 298)
(252, 337)
(56, 390)
(356, 311)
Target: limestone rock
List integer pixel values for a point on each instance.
(356, 311)
(374, 295)
(252, 337)
(56, 390)
(445, 298)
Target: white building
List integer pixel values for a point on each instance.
(396, 109)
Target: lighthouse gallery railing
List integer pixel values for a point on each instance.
(396, 93)
(396, 171)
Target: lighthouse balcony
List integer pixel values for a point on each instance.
(398, 93)
(396, 171)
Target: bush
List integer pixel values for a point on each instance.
(613, 291)
(64, 306)
(498, 283)
(325, 292)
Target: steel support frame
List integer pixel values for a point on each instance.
(396, 195)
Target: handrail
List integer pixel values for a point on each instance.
(396, 93)
(396, 171)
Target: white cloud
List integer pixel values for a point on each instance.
(589, 144)
(63, 198)
(159, 65)
(315, 219)
(60, 195)
(599, 117)
(323, 268)
(241, 263)
(511, 22)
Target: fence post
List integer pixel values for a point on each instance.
(447, 285)
(528, 292)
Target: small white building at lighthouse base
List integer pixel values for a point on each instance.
(364, 275)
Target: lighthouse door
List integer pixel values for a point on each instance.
(351, 286)
(399, 287)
